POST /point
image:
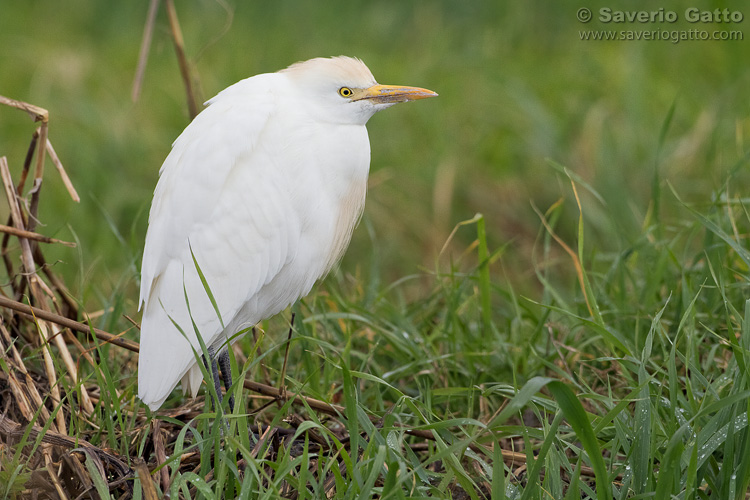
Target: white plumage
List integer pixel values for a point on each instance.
(264, 187)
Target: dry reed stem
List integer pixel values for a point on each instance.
(37, 113)
(142, 473)
(148, 32)
(161, 454)
(16, 431)
(16, 287)
(16, 216)
(63, 174)
(36, 186)
(27, 162)
(32, 311)
(29, 235)
(49, 367)
(179, 46)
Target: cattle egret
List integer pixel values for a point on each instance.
(262, 190)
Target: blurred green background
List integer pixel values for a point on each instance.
(517, 86)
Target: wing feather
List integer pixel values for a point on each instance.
(214, 181)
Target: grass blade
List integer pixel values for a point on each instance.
(576, 416)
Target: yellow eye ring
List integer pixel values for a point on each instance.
(345, 92)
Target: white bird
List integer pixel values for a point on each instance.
(263, 189)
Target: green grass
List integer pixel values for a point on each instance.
(593, 317)
(651, 394)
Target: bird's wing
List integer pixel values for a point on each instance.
(219, 202)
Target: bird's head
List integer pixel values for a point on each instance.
(343, 90)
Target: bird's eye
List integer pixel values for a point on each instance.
(345, 92)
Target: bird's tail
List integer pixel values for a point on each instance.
(166, 356)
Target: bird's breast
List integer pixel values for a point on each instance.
(330, 191)
(350, 207)
(347, 177)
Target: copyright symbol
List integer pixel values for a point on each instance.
(583, 15)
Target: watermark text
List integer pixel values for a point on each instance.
(691, 14)
(631, 24)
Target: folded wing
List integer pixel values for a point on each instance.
(219, 202)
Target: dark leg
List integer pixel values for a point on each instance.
(215, 371)
(226, 372)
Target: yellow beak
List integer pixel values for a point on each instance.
(383, 94)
